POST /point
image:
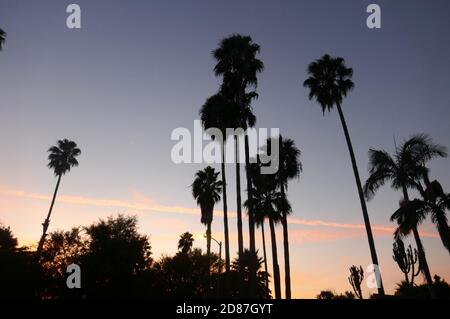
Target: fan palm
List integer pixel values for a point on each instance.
(238, 65)
(185, 242)
(404, 170)
(2, 38)
(219, 112)
(289, 167)
(329, 82)
(61, 159)
(206, 189)
(269, 201)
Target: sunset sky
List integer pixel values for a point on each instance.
(135, 72)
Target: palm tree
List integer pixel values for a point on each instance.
(259, 218)
(61, 159)
(404, 170)
(238, 65)
(185, 242)
(329, 81)
(2, 38)
(242, 267)
(259, 221)
(269, 201)
(206, 189)
(217, 112)
(289, 168)
(435, 203)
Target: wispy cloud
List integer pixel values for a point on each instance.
(143, 203)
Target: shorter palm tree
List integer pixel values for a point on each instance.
(206, 189)
(273, 204)
(404, 170)
(185, 242)
(435, 202)
(62, 158)
(289, 167)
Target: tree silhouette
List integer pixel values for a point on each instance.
(206, 189)
(19, 274)
(116, 256)
(188, 275)
(407, 291)
(241, 286)
(7, 239)
(328, 295)
(220, 112)
(289, 167)
(355, 279)
(404, 170)
(61, 249)
(329, 82)
(435, 203)
(238, 65)
(2, 38)
(185, 242)
(270, 202)
(260, 221)
(61, 159)
(406, 260)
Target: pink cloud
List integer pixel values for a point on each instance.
(142, 203)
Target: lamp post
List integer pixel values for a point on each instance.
(219, 270)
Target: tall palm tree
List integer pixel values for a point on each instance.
(219, 112)
(206, 189)
(238, 65)
(2, 38)
(289, 168)
(61, 159)
(269, 201)
(329, 82)
(404, 170)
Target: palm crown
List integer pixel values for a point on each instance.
(267, 200)
(329, 81)
(206, 189)
(289, 159)
(63, 156)
(2, 38)
(407, 166)
(219, 112)
(236, 61)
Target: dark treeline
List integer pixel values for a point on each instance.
(116, 262)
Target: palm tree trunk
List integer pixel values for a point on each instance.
(47, 221)
(287, 268)
(225, 212)
(423, 264)
(264, 252)
(373, 251)
(208, 240)
(276, 268)
(238, 199)
(251, 219)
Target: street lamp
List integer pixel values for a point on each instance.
(220, 263)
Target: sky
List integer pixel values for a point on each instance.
(134, 72)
